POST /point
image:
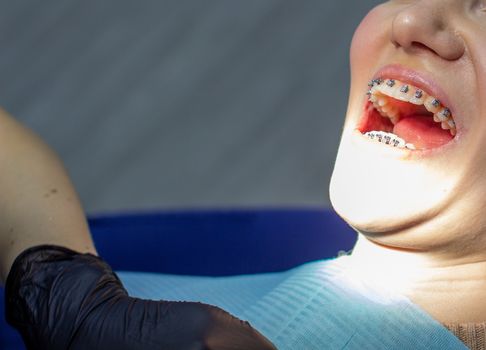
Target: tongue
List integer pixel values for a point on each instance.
(422, 132)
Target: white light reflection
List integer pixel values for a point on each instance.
(382, 275)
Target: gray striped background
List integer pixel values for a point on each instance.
(183, 103)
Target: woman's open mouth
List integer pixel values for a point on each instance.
(401, 115)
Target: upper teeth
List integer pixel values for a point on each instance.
(379, 95)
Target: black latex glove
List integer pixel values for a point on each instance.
(59, 299)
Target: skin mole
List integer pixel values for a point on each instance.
(51, 192)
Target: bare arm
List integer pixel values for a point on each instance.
(38, 204)
(58, 298)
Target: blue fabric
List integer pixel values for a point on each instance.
(315, 306)
(220, 242)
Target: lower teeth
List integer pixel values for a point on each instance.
(389, 139)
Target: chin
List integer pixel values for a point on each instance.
(380, 194)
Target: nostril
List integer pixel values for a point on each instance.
(424, 28)
(418, 46)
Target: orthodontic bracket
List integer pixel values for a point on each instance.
(435, 103)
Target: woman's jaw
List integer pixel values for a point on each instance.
(431, 198)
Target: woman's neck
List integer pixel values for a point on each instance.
(449, 290)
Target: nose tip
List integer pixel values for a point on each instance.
(425, 28)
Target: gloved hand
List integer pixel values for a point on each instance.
(59, 299)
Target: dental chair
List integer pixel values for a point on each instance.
(220, 242)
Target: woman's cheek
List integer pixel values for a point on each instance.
(372, 33)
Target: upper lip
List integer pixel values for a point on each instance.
(421, 80)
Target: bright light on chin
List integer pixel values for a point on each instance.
(373, 188)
